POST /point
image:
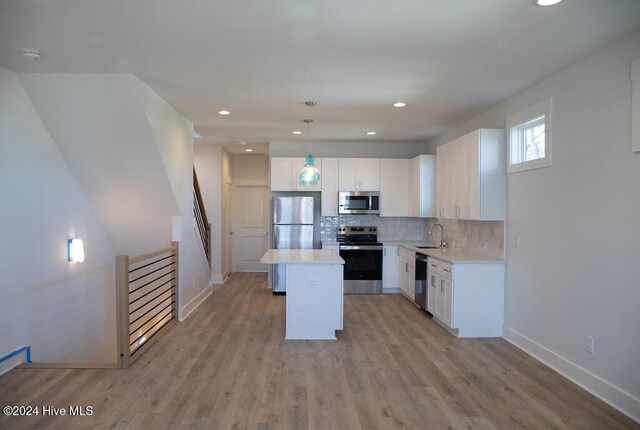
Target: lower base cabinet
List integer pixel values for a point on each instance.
(390, 259)
(407, 273)
(467, 298)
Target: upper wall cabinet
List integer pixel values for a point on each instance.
(423, 186)
(359, 174)
(285, 174)
(443, 181)
(329, 187)
(394, 186)
(471, 177)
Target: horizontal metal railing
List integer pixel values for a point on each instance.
(199, 214)
(146, 300)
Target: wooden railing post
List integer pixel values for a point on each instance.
(122, 310)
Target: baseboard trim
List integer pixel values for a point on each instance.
(9, 365)
(391, 290)
(605, 391)
(217, 279)
(195, 302)
(67, 366)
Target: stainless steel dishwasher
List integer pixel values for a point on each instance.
(421, 281)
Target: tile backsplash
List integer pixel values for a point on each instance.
(388, 228)
(480, 237)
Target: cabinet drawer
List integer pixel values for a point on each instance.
(440, 267)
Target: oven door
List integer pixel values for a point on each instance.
(362, 268)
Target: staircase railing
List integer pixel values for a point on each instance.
(204, 228)
(146, 294)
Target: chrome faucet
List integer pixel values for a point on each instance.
(443, 243)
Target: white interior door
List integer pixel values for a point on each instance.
(251, 228)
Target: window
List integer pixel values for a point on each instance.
(529, 133)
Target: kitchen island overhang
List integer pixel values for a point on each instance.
(314, 298)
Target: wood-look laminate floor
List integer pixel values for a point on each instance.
(228, 367)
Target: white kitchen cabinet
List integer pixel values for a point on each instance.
(359, 174)
(467, 298)
(407, 273)
(440, 292)
(390, 258)
(394, 187)
(329, 187)
(285, 174)
(460, 176)
(423, 186)
(471, 177)
(443, 181)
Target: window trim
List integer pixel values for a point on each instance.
(524, 116)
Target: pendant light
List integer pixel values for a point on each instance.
(309, 175)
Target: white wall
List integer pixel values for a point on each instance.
(227, 214)
(173, 135)
(347, 149)
(208, 164)
(102, 130)
(65, 311)
(250, 167)
(576, 272)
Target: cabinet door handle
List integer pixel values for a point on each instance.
(406, 267)
(433, 281)
(398, 252)
(442, 286)
(384, 252)
(447, 270)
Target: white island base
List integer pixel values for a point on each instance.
(314, 291)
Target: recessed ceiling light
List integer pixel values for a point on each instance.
(248, 150)
(32, 54)
(546, 2)
(371, 133)
(399, 104)
(297, 132)
(224, 112)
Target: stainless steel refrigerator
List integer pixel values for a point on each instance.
(296, 218)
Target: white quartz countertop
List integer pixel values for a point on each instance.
(450, 255)
(301, 256)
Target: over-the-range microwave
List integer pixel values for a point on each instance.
(359, 202)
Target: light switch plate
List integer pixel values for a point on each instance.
(589, 344)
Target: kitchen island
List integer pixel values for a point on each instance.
(314, 301)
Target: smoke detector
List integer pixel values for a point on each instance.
(32, 54)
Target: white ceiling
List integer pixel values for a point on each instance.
(262, 59)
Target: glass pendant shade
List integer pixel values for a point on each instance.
(310, 175)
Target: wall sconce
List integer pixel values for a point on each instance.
(76, 250)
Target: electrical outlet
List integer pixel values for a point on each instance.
(589, 344)
(515, 241)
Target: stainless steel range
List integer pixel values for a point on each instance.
(362, 255)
